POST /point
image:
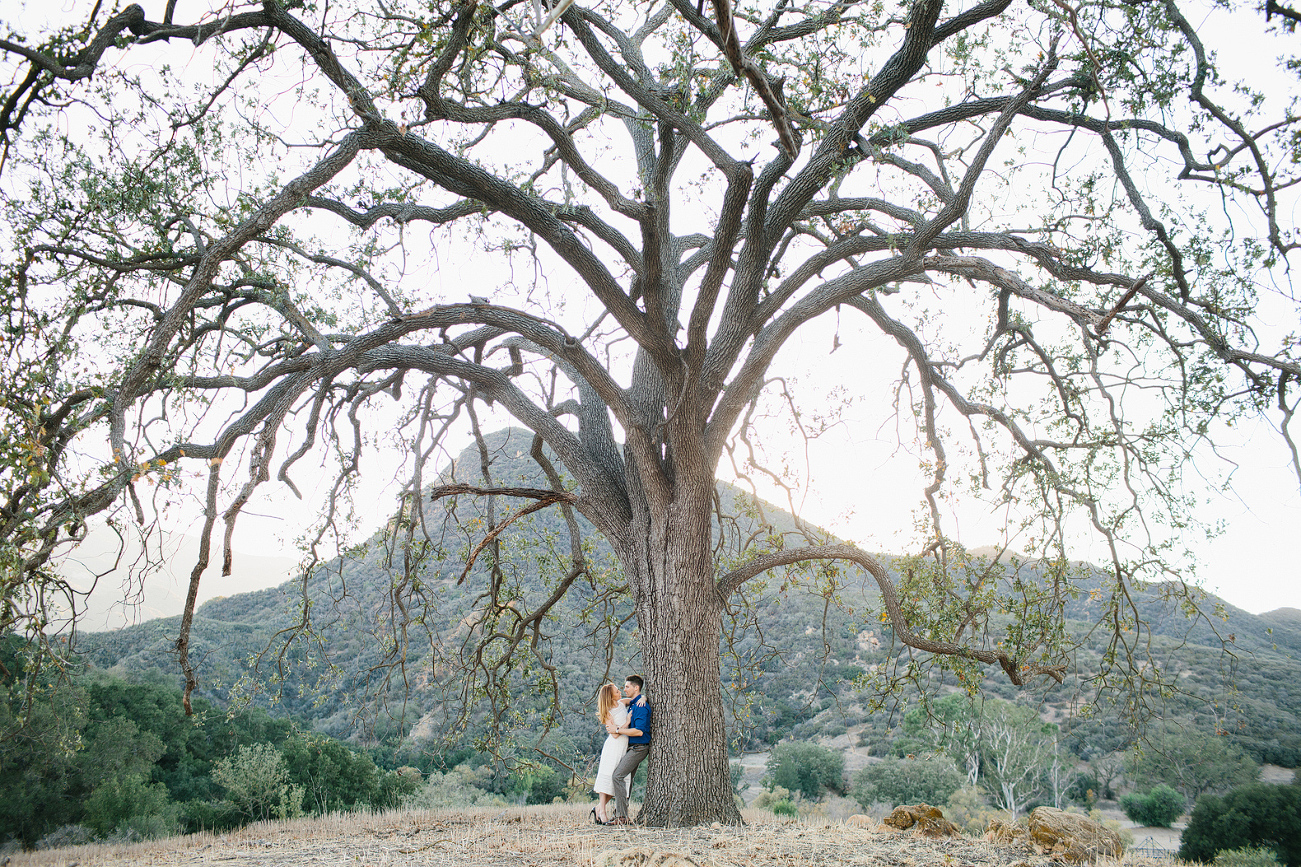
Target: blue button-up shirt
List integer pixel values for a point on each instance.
(639, 717)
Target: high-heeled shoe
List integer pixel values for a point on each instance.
(595, 819)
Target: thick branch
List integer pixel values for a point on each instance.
(1017, 671)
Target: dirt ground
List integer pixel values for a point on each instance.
(1277, 775)
(546, 836)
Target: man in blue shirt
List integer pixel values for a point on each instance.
(638, 730)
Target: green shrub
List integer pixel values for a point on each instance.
(122, 803)
(1252, 856)
(768, 797)
(1255, 815)
(148, 826)
(537, 783)
(805, 768)
(784, 808)
(200, 815)
(452, 789)
(1159, 808)
(737, 772)
(1084, 790)
(256, 780)
(333, 776)
(930, 779)
(398, 786)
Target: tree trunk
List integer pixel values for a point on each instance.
(679, 616)
(689, 782)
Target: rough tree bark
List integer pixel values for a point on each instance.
(671, 574)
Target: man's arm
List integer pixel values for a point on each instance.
(634, 719)
(638, 718)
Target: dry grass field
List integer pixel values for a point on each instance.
(542, 837)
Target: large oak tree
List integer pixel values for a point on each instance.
(1052, 221)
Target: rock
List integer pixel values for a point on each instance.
(923, 818)
(998, 831)
(1072, 837)
(859, 820)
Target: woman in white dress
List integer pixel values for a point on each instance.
(610, 707)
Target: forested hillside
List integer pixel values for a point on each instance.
(795, 652)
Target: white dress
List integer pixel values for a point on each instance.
(611, 752)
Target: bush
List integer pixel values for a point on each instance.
(1159, 808)
(200, 815)
(537, 784)
(784, 808)
(780, 800)
(256, 780)
(397, 787)
(67, 835)
(1252, 856)
(930, 779)
(968, 810)
(1255, 815)
(333, 776)
(452, 789)
(768, 797)
(131, 803)
(806, 768)
(737, 772)
(1085, 790)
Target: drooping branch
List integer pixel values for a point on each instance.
(544, 496)
(1016, 670)
(1289, 411)
(182, 643)
(1197, 91)
(1240, 358)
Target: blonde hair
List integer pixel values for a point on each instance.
(606, 699)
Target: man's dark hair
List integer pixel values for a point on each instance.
(636, 678)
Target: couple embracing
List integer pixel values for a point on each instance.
(627, 721)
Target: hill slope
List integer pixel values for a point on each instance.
(791, 656)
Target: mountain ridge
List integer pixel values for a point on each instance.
(808, 667)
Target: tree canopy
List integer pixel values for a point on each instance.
(238, 240)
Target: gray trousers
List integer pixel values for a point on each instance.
(626, 769)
